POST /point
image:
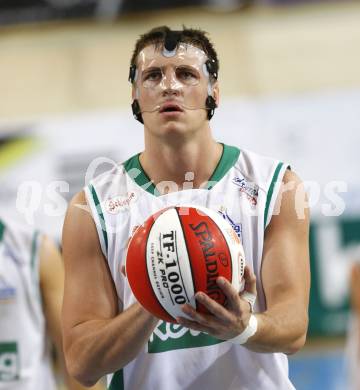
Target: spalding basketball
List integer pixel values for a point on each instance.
(179, 251)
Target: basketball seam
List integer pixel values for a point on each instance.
(228, 248)
(177, 256)
(147, 271)
(227, 245)
(187, 251)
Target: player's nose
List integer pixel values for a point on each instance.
(170, 81)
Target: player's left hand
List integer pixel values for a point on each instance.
(227, 322)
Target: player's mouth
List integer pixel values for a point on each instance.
(170, 108)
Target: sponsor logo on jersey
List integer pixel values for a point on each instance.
(7, 292)
(168, 336)
(9, 362)
(120, 203)
(251, 190)
(237, 226)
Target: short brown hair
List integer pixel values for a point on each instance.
(157, 36)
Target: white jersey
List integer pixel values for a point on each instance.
(24, 354)
(243, 190)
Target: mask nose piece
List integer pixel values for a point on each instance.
(170, 84)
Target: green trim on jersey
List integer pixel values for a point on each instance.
(271, 190)
(34, 247)
(117, 381)
(35, 265)
(100, 214)
(227, 160)
(140, 177)
(2, 230)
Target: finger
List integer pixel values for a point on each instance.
(207, 320)
(213, 307)
(193, 325)
(250, 280)
(195, 315)
(231, 294)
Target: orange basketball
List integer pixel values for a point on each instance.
(179, 251)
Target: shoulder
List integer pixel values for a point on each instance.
(291, 177)
(78, 210)
(80, 227)
(292, 207)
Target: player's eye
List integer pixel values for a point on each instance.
(153, 75)
(186, 75)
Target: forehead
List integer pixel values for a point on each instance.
(183, 54)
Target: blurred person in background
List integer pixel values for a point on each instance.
(241, 346)
(352, 354)
(31, 293)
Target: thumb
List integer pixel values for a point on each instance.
(249, 291)
(250, 280)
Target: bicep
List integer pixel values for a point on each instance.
(285, 266)
(89, 290)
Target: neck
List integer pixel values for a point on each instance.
(191, 160)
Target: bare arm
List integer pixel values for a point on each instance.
(286, 282)
(285, 276)
(52, 289)
(98, 339)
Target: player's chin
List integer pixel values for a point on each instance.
(174, 125)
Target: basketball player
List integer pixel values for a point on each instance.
(240, 346)
(352, 351)
(31, 291)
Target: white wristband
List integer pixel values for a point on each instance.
(249, 331)
(251, 298)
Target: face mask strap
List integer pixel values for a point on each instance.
(135, 106)
(210, 102)
(172, 39)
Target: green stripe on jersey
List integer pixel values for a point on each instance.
(34, 247)
(227, 160)
(117, 381)
(2, 230)
(34, 263)
(135, 170)
(100, 214)
(271, 190)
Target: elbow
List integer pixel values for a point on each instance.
(80, 370)
(299, 340)
(85, 381)
(295, 346)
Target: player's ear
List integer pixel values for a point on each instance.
(216, 93)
